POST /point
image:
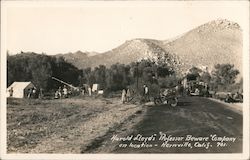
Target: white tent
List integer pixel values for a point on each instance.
(95, 87)
(20, 89)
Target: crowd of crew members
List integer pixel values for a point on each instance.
(61, 93)
(127, 97)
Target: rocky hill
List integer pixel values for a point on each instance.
(216, 42)
(219, 41)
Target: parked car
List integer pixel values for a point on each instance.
(229, 97)
(167, 96)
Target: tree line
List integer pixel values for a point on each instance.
(135, 75)
(40, 68)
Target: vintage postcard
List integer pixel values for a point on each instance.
(125, 80)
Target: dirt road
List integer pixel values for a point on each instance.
(195, 116)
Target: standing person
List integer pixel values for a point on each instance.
(60, 92)
(177, 90)
(83, 90)
(128, 94)
(41, 93)
(30, 93)
(56, 94)
(65, 92)
(34, 95)
(89, 89)
(187, 92)
(11, 91)
(181, 90)
(123, 96)
(146, 92)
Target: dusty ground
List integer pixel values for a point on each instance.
(236, 107)
(79, 125)
(196, 116)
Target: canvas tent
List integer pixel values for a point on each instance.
(20, 89)
(95, 87)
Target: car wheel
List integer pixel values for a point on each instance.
(173, 102)
(157, 101)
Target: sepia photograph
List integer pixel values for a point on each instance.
(125, 79)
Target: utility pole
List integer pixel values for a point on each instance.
(137, 75)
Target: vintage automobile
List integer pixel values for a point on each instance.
(229, 97)
(198, 89)
(234, 98)
(221, 95)
(167, 96)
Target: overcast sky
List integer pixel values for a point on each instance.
(100, 26)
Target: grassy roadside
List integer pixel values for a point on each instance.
(64, 125)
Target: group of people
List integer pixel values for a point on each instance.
(126, 95)
(34, 93)
(86, 89)
(61, 93)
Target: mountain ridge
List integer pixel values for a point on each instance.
(218, 41)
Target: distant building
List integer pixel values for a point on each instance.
(19, 89)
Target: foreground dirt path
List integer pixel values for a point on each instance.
(67, 125)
